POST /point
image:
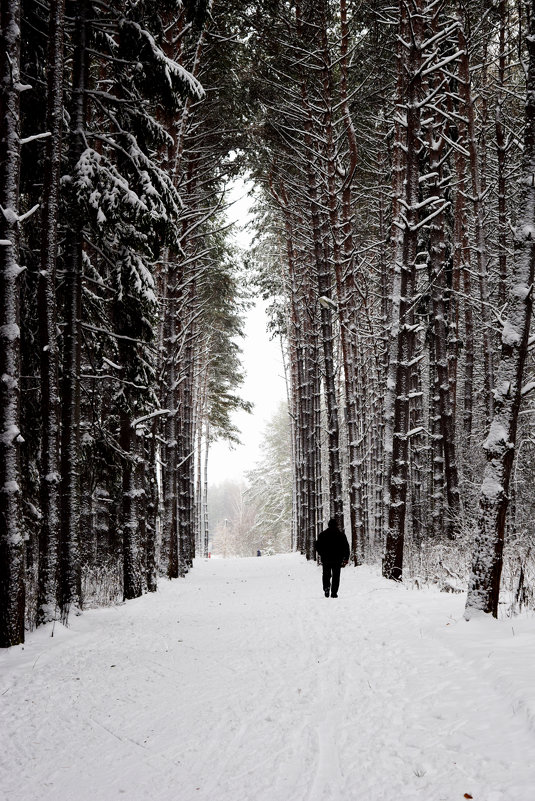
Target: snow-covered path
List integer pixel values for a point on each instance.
(243, 683)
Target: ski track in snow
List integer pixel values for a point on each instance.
(243, 683)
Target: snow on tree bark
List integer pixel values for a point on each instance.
(69, 560)
(12, 589)
(342, 223)
(462, 274)
(320, 233)
(47, 311)
(501, 147)
(437, 260)
(478, 199)
(129, 518)
(402, 334)
(484, 583)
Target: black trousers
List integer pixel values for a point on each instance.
(331, 576)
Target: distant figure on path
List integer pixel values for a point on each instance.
(333, 548)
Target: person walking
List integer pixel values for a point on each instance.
(333, 548)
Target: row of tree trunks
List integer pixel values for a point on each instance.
(110, 226)
(484, 586)
(324, 290)
(434, 281)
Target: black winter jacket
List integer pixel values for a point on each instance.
(332, 546)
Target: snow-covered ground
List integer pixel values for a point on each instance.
(243, 683)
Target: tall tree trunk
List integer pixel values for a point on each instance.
(186, 463)
(416, 453)
(296, 367)
(467, 111)
(47, 312)
(170, 480)
(403, 345)
(69, 563)
(314, 440)
(12, 588)
(345, 279)
(310, 438)
(437, 258)
(306, 384)
(501, 148)
(151, 483)
(322, 270)
(391, 283)
(132, 580)
(461, 268)
(438, 504)
(484, 584)
(205, 530)
(308, 34)
(382, 462)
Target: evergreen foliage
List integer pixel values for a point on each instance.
(270, 487)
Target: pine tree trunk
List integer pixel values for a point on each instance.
(461, 265)
(381, 393)
(310, 35)
(348, 313)
(322, 270)
(151, 565)
(205, 530)
(306, 389)
(132, 581)
(465, 92)
(403, 345)
(170, 482)
(142, 498)
(484, 584)
(416, 451)
(342, 254)
(391, 279)
(437, 257)
(309, 436)
(295, 407)
(47, 313)
(12, 588)
(501, 148)
(69, 562)
(186, 462)
(314, 439)
(437, 445)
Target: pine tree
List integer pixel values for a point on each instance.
(12, 602)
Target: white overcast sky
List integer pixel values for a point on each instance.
(264, 384)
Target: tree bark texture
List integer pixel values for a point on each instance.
(403, 331)
(69, 561)
(49, 534)
(470, 140)
(484, 584)
(12, 589)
